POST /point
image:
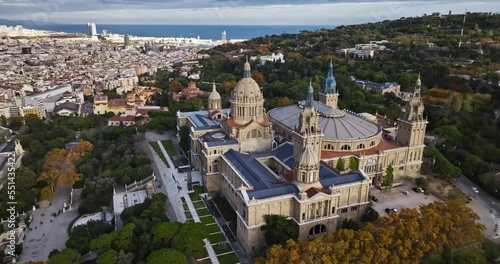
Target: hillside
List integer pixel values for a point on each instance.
(462, 113)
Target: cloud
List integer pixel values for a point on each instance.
(319, 12)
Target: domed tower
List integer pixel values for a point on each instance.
(307, 166)
(247, 102)
(214, 100)
(411, 128)
(248, 121)
(329, 95)
(308, 131)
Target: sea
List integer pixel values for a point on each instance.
(187, 31)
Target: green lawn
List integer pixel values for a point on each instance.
(228, 259)
(218, 251)
(216, 238)
(183, 200)
(169, 147)
(156, 147)
(199, 204)
(194, 196)
(203, 211)
(207, 220)
(205, 261)
(185, 206)
(212, 228)
(188, 215)
(225, 209)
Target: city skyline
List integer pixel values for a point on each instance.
(220, 12)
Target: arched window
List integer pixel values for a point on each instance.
(345, 147)
(216, 165)
(361, 146)
(254, 133)
(317, 229)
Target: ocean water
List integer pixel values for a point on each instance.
(188, 31)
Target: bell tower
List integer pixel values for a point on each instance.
(308, 132)
(329, 95)
(411, 128)
(214, 100)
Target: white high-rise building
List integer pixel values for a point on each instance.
(224, 36)
(91, 29)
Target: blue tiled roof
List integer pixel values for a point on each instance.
(222, 143)
(327, 177)
(276, 191)
(201, 119)
(253, 171)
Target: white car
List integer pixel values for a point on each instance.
(474, 189)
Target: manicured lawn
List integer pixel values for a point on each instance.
(194, 196)
(228, 259)
(225, 209)
(203, 211)
(216, 238)
(212, 228)
(156, 147)
(222, 250)
(188, 215)
(205, 261)
(185, 206)
(183, 200)
(199, 204)
(169, 147)
(207, 220)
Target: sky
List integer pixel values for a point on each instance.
(228, 12)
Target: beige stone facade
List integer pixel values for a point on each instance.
(239, 159)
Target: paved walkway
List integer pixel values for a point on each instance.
(45, 237)
(192, 210)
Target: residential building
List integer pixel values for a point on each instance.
(379, 88)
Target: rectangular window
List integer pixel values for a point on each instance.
(262, 228)
(355, 208)
(333, 210)
(401, 168)
(303, 216)
(343, 211)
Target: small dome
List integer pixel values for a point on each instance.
(308, 157)
(214, 95)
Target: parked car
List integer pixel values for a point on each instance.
(407, 193)
(418, 190)
(388, 210)
(474, 189)
(375, 199)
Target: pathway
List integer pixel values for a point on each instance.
(45, 237)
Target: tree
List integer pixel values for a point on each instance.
(15, 122)
(279, 230)
(408, 237)
(166, 230)
(184, 142)
(340, 165)
(228, 86)
(124, 258)
(110, 256)
(25, 178)
(190, 239)
(353, 164)
(102, 242)
(174, 86)
(160, 256)
(388, 178)
(68, 256)
(350, 224)
(258, 77)
(59, 168)
(3, 120)
(284, 101)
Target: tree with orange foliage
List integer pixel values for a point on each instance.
(258, 77)
(228, 86)
(59, 168)
(283, 101)
(175, 86)
(411, 236)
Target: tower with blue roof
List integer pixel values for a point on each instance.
(329, 95)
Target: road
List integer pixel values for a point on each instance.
(486, 206)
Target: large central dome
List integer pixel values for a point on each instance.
(247, 102)
(247, 88)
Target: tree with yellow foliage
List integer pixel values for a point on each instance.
(59, 168)
(411, 236)
(283, 101)
(174, 86)
(258, 77)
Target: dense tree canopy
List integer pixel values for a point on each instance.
(408, 237)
